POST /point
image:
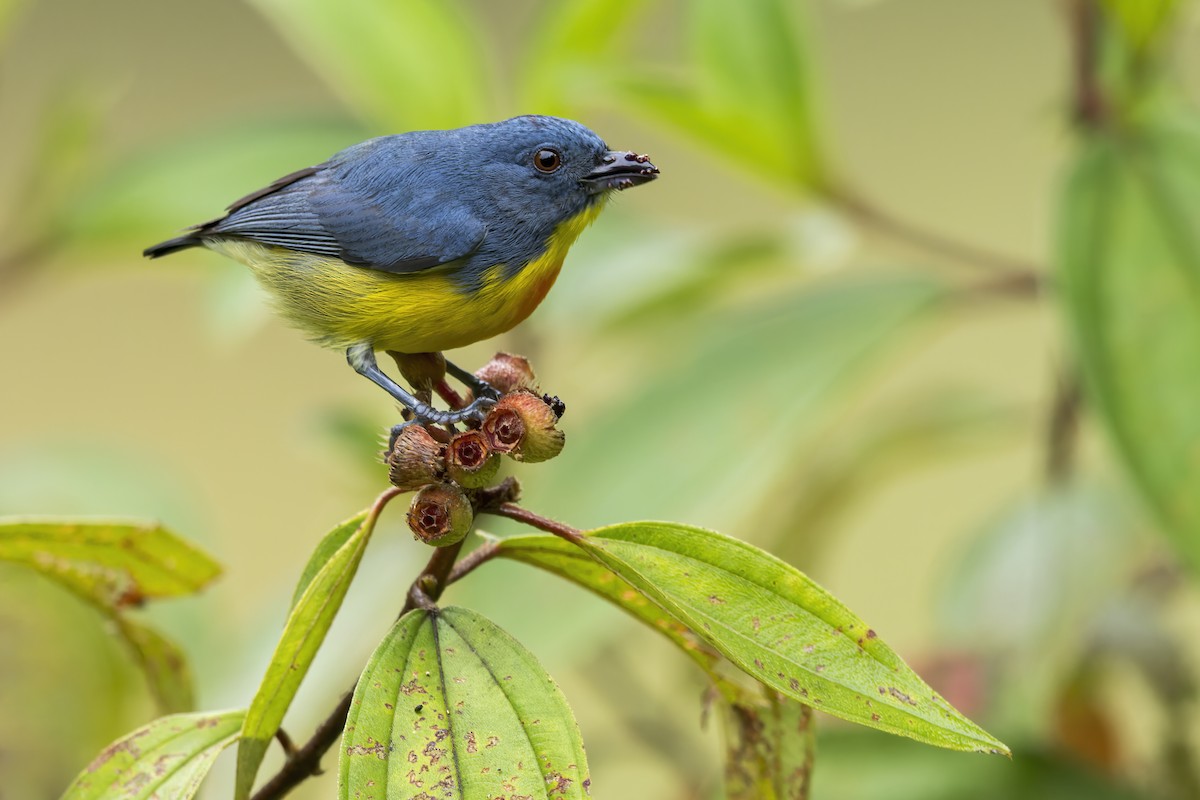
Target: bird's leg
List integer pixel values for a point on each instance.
(480, 388)
(362, 358)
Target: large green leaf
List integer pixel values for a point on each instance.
(113, 564)
(166, 759)
(415, 64)
(779, 627)
(322, 589)
(568, 561)
(450, 706)
(1130, 272)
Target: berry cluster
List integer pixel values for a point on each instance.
(448, 468)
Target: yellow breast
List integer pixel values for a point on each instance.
(339, 305)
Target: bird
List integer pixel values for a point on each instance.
(423, 241)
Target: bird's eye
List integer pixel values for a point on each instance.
(547, 160)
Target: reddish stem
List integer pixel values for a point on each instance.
(560, 529)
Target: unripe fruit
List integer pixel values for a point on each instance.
(440, 514)
(503, 427)
(506, 373)
(416, 458)
(523, 425)
(470, 461)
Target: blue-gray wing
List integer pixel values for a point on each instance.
(373, 223)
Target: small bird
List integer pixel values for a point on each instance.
(423, 241)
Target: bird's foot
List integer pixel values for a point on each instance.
(475, 412)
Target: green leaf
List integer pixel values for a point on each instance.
(162, 662)
(1141, 22)
(570, 49)
(61, 163)
(729, 376)
(322, 589)
(146, 196)
(747, 94)
(403, 66)
(166, 759)
(570, 562)
(769, 748)
(453, 707)
(780, 628)
(8, 12)
(332, 542)
(1129, 264)
(113, 564)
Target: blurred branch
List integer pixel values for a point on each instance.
(1062, 427)
(1090, 109)
(19, 266)
(1012, 270)
(1089, 105)
(1013, 286)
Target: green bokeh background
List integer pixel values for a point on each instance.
(735, 349)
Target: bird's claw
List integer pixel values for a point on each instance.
(480, 406)
(476, 411)
(486, 390)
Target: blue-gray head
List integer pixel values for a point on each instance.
(542, 169)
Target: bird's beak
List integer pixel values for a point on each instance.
(620, 170)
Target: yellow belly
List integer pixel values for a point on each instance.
(339, 305)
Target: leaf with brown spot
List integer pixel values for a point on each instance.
(805, 644)
(116, 566)
(112, 564)
(163, 663)
(166, 759)
(568, 561)
(461, 662)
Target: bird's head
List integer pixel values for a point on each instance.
(547, 169)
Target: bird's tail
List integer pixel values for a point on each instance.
(172, 245)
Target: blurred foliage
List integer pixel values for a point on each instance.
(1131, 269)
(743, 91)
(115, 567)
(759, 356)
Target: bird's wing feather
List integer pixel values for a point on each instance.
(314, 211)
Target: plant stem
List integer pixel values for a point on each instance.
(306, 761)
(1090, 105)
(560, 529)
(480, 555)
(1062, 428)
(871, 216)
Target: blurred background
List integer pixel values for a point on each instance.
(829, 329)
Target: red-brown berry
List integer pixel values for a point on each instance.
(440, 514)
(506, 373)
(416, 458)
(470, 461)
